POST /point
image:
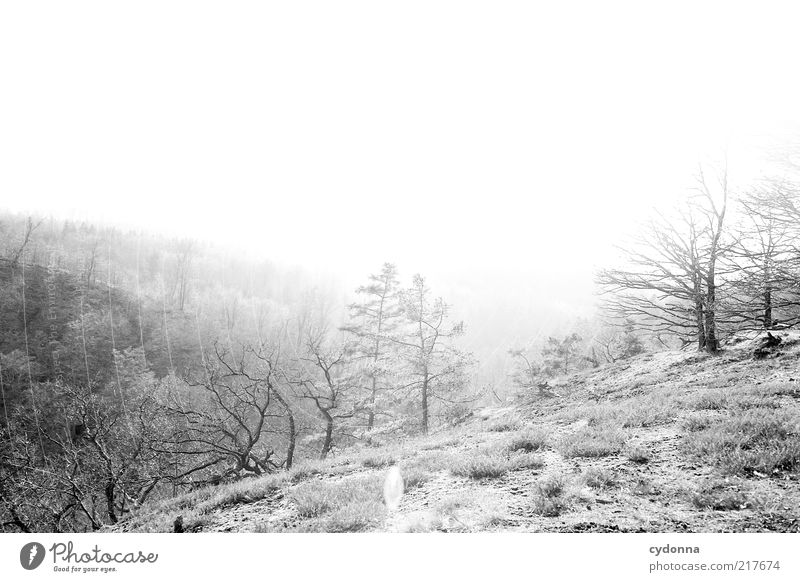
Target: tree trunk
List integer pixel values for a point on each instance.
(291, 445)
(425, 404)
(710, 323)
(109, 491)
(371, 416)
(768, 323)
(701, 328)
(292, 430)
(326, 445)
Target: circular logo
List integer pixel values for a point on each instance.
(31, 555)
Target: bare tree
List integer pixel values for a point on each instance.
(670, 284)
(763, 264)
(268, 368)
(327, 378)
(101, 463)
(227, 429)
(30, 227)
(184, 257)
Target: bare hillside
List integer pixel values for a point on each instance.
(662, 442)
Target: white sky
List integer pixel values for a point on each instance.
(472, 136)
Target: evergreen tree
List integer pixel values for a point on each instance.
(436, 368)
(559, 354)
(373, 321)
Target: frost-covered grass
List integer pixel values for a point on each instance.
(721, 497)
(482, 465)
(637, 453)
(550, 497)
(528, 441)
(658, 407)
(505, 424)
(758, 440)
(597, 478)
(592, 441)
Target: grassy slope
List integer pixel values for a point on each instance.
(662, 442)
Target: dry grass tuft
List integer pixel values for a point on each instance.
(549, 497)
(592, 441)
(758, 440)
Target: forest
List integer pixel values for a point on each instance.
(136, 368)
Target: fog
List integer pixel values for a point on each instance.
(502, 149)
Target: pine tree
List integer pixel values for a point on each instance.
(559, 354)
(436, 368)
(373, 321)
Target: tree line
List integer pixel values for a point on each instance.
(117, 391)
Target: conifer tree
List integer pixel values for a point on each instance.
(373, 321)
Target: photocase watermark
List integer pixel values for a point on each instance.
(67, 559)
(31, 555)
